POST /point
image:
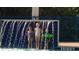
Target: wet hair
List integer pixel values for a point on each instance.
(30, 27)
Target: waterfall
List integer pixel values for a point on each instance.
(46, 30)
(21, 38)
(53, 33)
(2, 30)
(41, 44)
(18, 34)
(9, 33)
(12, 34)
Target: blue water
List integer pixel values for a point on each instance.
(13, 34)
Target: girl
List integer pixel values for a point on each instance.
(37, 34)
(30, 37)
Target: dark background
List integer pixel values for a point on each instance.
(68, 16)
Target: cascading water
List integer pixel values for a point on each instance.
(12, 34)
(2, 31)
(47, 25)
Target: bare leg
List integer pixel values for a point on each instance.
(28, 44)
(31, 43)
(36, 41)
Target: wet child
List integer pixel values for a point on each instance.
(30, 37)
(37, 35)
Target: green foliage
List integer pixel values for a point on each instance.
(47, 36)
(59, 11)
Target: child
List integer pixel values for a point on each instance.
(37, 34)
(30, 37)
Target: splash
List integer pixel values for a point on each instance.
(12, 34)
